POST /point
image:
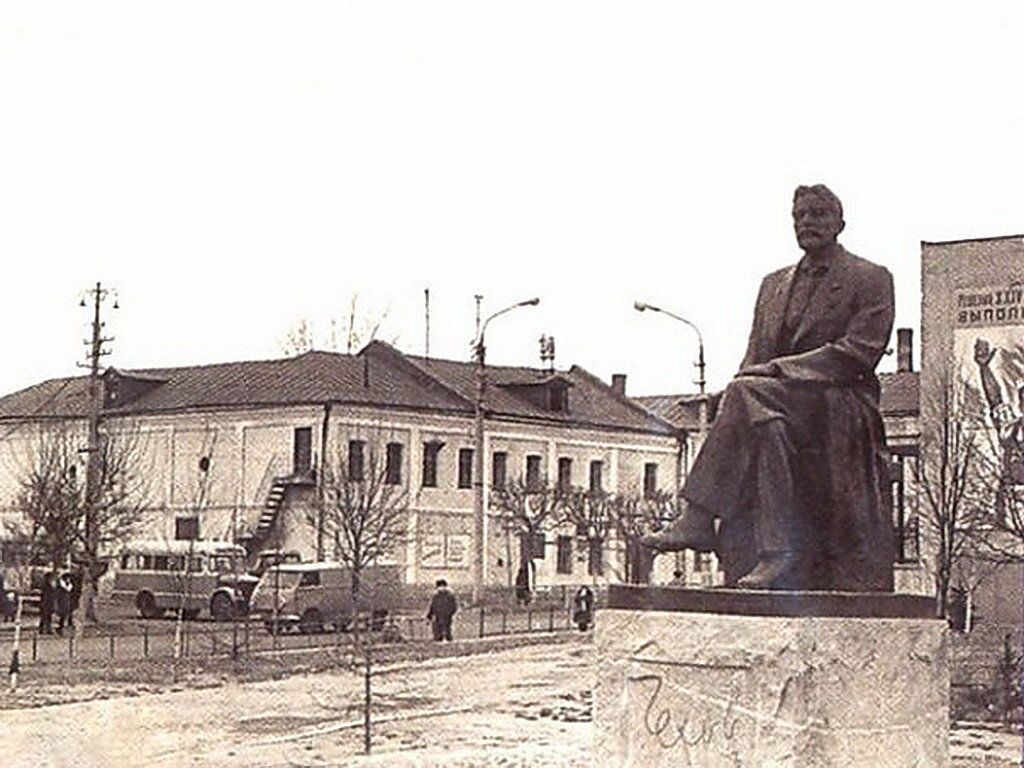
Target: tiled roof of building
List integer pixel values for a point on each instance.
(591, 401)
(900, 393)
(379, 375)
(681, 411)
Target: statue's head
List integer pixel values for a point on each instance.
(817, 216)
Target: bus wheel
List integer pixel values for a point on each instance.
(311, 622)
(146, 604)
(222, 607)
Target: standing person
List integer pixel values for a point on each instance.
(442, 608)
(47, 595)
(62, 602)
(583, 607)
(523, 587)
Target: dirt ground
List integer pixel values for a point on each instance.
(520, 708)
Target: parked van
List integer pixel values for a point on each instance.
(312, 597)
(190, 576)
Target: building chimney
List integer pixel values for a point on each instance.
(619, 383)
(905, 350)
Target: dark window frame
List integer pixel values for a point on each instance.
(499, 469)
(393, 464)
(465, 475)
(431, 460)
(534, 463)
(564, 558)
(356, 461)
(596, 476)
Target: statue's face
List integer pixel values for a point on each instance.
(816, 222)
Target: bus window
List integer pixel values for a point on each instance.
(160, 563)
(310, 579)
(224, 563)
(126, 562)
(197, 564)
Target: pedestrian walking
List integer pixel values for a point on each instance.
(583, 608)
(442, 608)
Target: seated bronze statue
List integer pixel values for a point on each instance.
(789, 487)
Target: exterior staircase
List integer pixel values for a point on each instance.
(271, 509)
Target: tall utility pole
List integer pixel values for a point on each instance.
(479, 501)
(93, 468)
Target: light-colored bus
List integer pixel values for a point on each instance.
(312, 597)
(188, 576)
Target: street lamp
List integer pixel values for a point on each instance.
(479, 508)
(640, 306)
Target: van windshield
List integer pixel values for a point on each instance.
(224, 563)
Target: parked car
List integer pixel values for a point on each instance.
(186, 576)
(312, 597)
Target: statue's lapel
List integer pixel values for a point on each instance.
(827, 299)
(776, 312)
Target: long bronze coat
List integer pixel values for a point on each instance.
(836, 345)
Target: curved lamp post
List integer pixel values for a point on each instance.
(479, 508)
(640, 306)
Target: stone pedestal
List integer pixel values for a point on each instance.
(732, 678)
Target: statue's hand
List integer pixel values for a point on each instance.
(983, 353)
(771, 370)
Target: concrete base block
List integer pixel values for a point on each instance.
(682, 688)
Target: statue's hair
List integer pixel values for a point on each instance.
(820, 191)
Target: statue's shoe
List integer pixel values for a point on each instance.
(691, 530)
(779, 570)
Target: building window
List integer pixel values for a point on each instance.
(302, 450)
(596, 469)
(430, 454)
(535, 543)
(533, 472)
(564, 564)
(650, 480)
(595, 557)
(906, 533)
(465, 467)
(564, 473)
(701, 562)
(499, 469)
(356, 461)
(393, 467)
(186, 528)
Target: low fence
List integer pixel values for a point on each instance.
(168, 640)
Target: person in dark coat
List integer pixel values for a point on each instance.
(583, 607)
(522, 587)
(62, 602)
(47, 596)
(442, 608)
(793, 465)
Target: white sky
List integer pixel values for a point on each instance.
(230, 167)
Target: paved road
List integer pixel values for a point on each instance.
(528, 705)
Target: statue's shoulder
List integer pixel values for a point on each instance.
(862, 265)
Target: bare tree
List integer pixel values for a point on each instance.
(363, 513)
(592, 513)
(527, 509)
(636, 515)
(53, 504)
(952, 506)
(355, 330)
